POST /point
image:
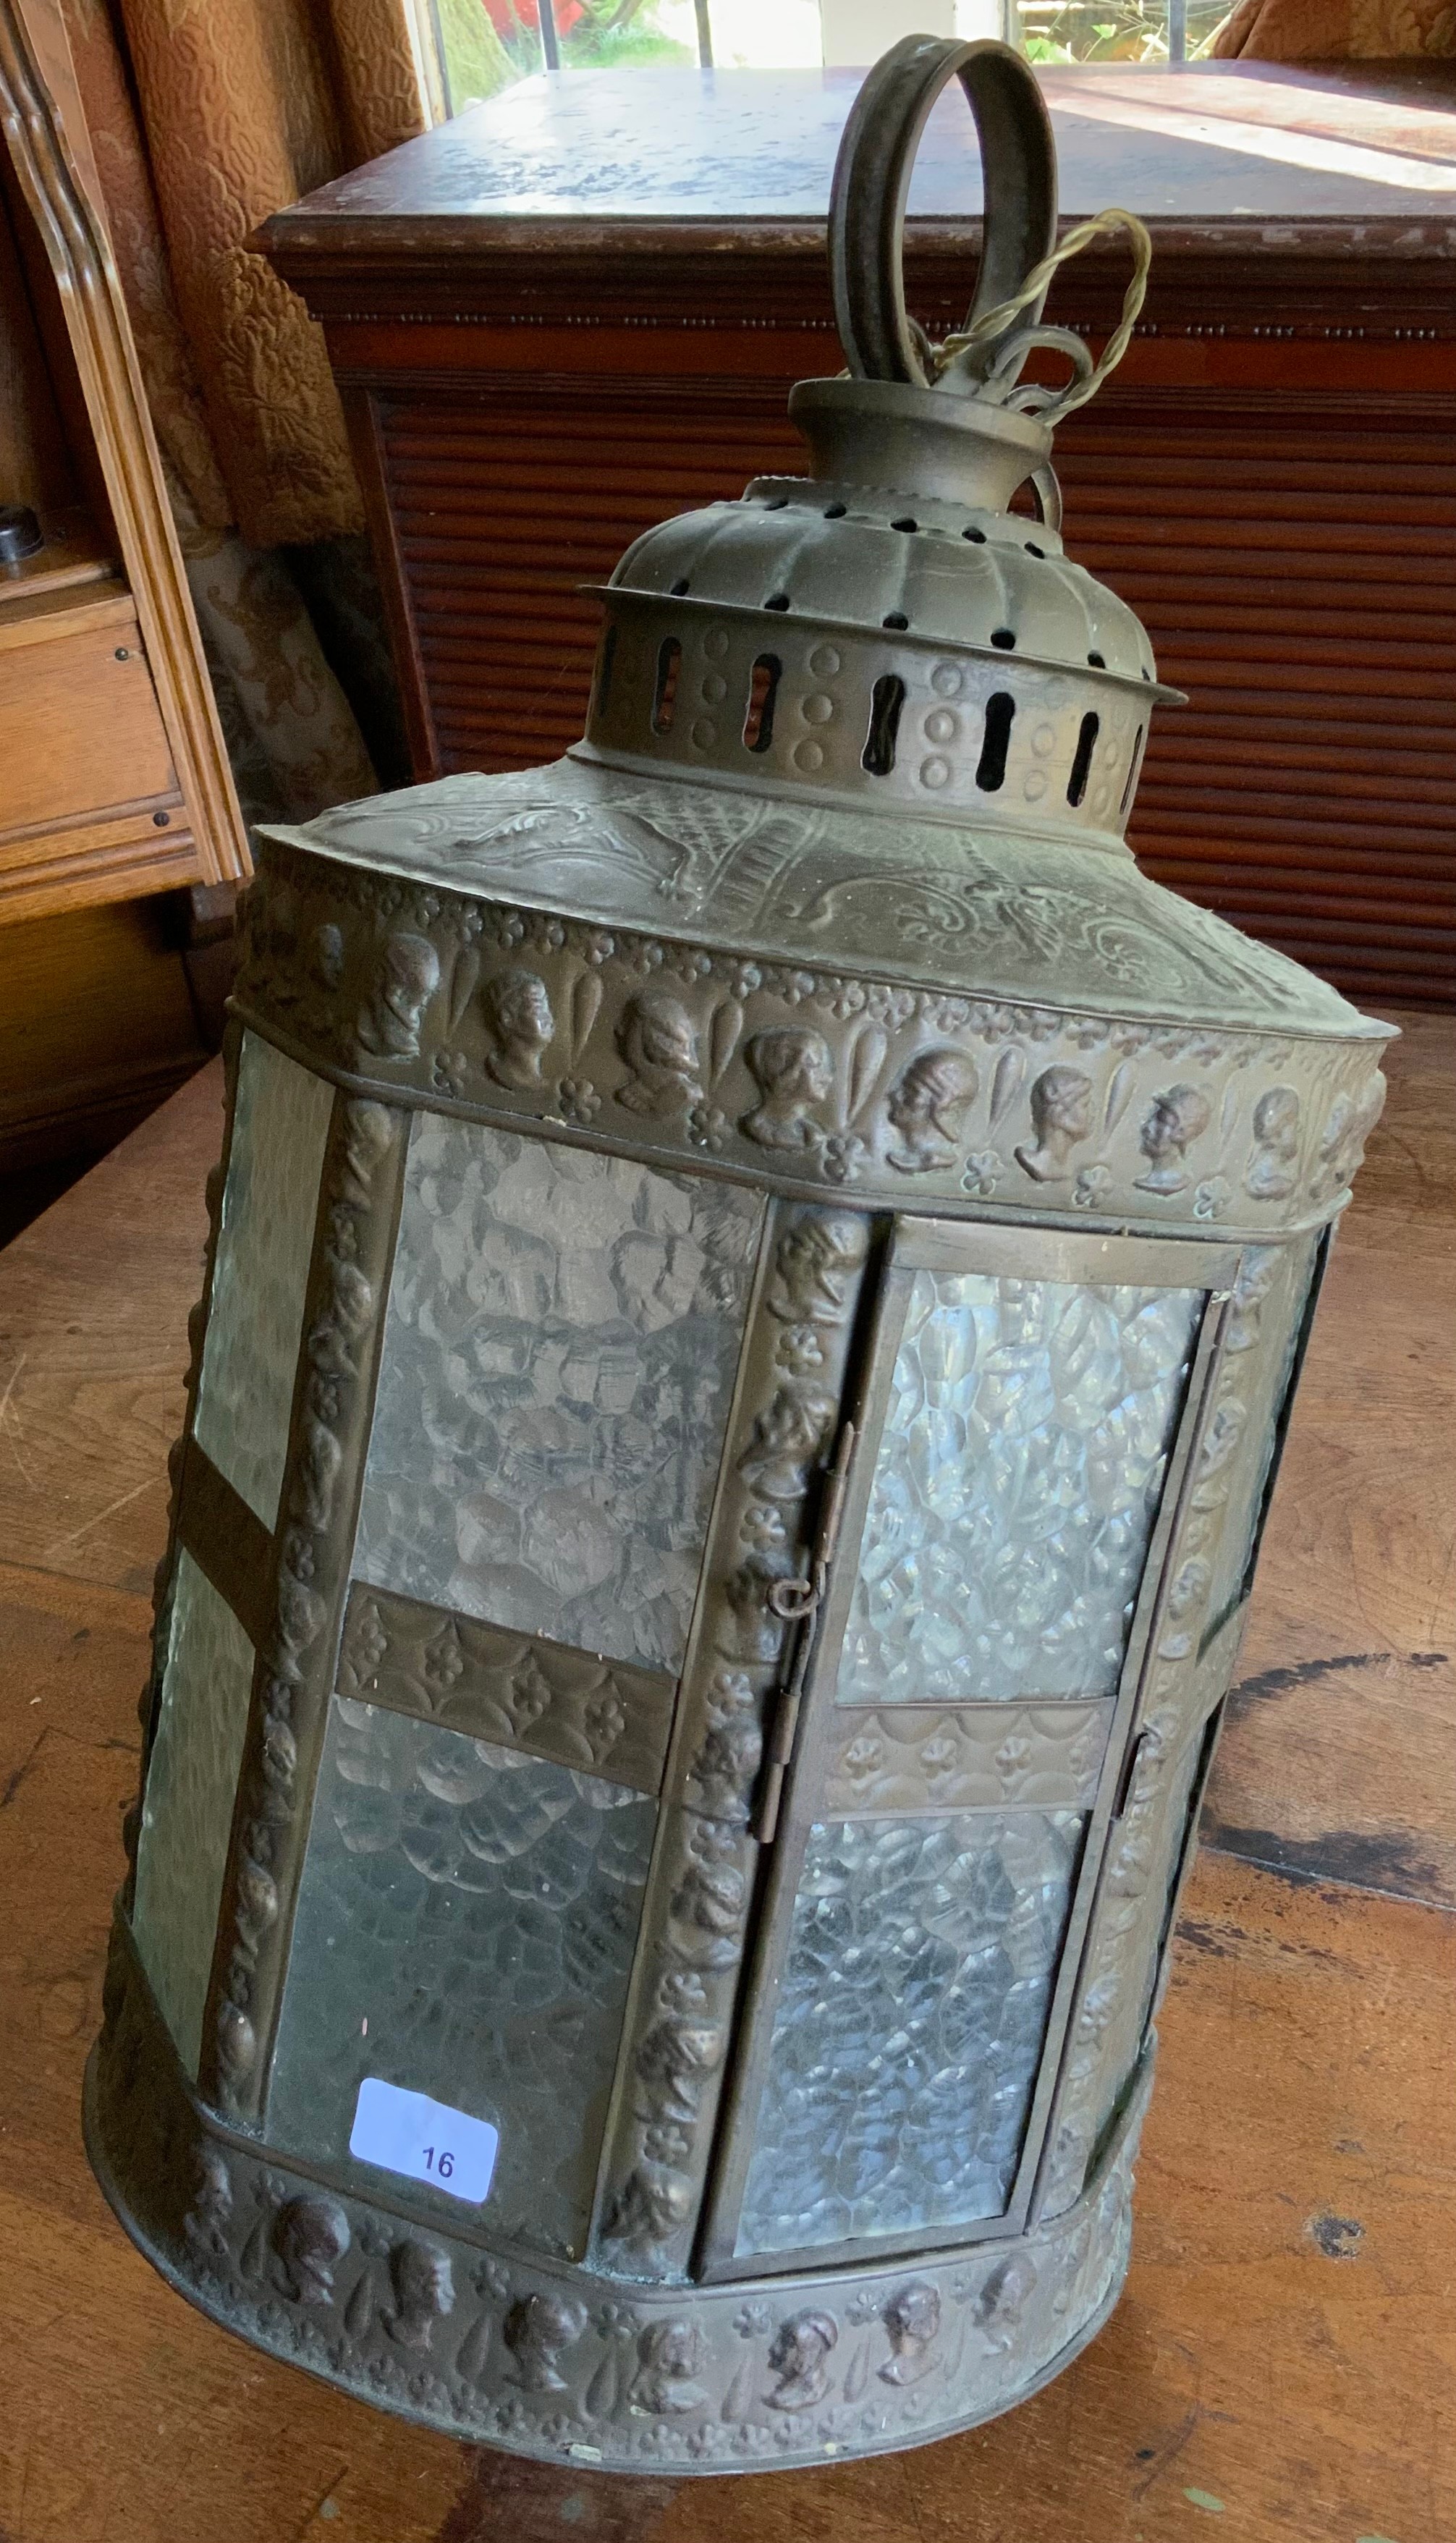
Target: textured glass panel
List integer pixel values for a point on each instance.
(465, 1929)
(188, 1809)
(558, 1356)
(260, 1272)
(909, 2025)
(1018, 1481)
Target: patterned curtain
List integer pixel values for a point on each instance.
(206, 116)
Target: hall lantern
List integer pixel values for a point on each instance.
(755, 1282)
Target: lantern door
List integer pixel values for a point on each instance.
(1023, 1436)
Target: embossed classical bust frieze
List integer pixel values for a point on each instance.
(865, 1091)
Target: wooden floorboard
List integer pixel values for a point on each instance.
(1280, 2369)
(94, 1303)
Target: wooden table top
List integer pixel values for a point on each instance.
(1275, 157)
(1281, 2361)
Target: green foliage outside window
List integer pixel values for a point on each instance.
(1114, 31)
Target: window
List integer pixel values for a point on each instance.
(485, 46)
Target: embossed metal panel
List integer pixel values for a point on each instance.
(933, 1757)
(187, 1804)
(259, 1271)
(1152, 1844)
(1266, 1322)
(558, 1356)
(909, 2025)
(1016, 1482)
(465, 1929)
(513, 1688)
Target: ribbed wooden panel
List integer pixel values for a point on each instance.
(1302, 592)
(502, 513)
(1301, 586)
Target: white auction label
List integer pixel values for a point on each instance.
(426, 2141)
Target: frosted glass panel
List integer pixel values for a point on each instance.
(188, 1809)
(260, 1272)
(558, 1356)
(909, 2025)
(1017, 1479)
(465, 1929)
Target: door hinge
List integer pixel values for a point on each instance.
(1141, 1747)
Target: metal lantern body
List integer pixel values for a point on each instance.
(755, 1285)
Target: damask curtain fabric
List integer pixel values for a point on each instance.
(204, 117)
(245, 106)
(1330, 31)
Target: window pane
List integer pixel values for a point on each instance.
(1114, 32)
(188, 1810)
(482, 48)
(1017, 1479)
(909, 2025)
(486, 45)
(465, 1929)
(261, 1271)
(558, 1358)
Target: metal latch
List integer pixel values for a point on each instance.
(798, 1601)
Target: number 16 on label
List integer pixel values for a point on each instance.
(426, 2141)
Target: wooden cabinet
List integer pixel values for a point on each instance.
(579, 307)
(114, 777)
(87, 768)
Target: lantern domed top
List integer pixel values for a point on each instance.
(776, 641)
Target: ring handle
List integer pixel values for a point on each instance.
(872, 182)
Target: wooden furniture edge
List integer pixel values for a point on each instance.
(40, 106)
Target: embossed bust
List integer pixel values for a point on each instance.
(793, 1071)
(812, 1265)
(912, 2319)
(1061, 1119)
(309, 2237)
(210, 2213)
(656, 1040)
(423, 2290)
(669, 2357)
(537, 2331)
(1276, 1158)
(520, 1027)
(927, 1107)
(408, 976)
(799, 2360)
(1006, 2291)
(1178, 1118)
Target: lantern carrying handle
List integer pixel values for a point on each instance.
(872, 185)
(982, 360)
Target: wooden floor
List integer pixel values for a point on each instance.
(1282, 2368)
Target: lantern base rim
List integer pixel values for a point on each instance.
(612, 2375)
